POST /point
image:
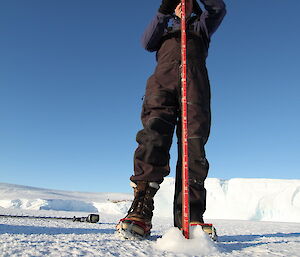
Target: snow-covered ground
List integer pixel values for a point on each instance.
(30, 237)
(250, 200)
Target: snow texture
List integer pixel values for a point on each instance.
(32, 198)
(252, 199)
(37, 237)
(241, 199)
(198, 244)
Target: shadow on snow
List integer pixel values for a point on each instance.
(239, 242)
(29, 230)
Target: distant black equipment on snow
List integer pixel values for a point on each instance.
(91, 218)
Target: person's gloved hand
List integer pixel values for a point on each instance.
(168, 6)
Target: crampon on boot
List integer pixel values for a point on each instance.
(196, 220)
(137, 223)
(207, 228)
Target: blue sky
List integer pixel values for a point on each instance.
(73, 72)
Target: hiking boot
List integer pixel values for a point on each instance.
(138, 220)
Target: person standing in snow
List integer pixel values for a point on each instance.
(161, 112)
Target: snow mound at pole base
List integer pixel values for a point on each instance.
(199, 243)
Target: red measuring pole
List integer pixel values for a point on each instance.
(185, 166)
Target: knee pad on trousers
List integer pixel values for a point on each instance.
(157, 132)
(154, 142)
(198, 164)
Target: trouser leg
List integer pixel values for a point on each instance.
(199, 121)
(159, 117)
(198, 169)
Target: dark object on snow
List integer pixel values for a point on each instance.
(91, 218)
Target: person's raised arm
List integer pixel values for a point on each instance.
(152, 36)
(213, 15)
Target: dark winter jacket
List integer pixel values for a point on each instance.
(203, 26)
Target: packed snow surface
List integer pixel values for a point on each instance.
(37, 237)
(237, 198)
